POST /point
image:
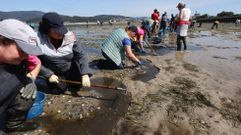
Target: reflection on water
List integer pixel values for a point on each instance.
(220, 47)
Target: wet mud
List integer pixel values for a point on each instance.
(146, 72)
(193, 92)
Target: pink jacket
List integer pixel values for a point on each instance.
(33, 61)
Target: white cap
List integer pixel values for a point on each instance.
(22, 34)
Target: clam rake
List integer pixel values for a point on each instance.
(123, 90)
(118, 99)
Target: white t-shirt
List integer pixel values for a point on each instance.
(186, 14)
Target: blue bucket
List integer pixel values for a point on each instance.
(37, 107)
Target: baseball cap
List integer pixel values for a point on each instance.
(22, 34)
(53, 20)
(133, 28)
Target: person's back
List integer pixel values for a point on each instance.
(237, 23)
(117, 46)
(147, 24)
(172, 18)
(113, 46)
(164, 17)
(215, 24)
(186, 14)
(154, 17)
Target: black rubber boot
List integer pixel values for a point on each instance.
(23, 127)
(185, 43)
(179, 43)
(15, 115)
(2, 133)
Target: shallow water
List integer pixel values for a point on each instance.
(215, 54)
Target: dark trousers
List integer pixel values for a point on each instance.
(109, 64)
(13, 108)
(215, 25)
(163, 27)
(136, 46)
(180, 40)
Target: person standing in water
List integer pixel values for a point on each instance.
(183, 21)
(215, 24)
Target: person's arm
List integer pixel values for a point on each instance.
(45, 72)
(130, 54)
(30, 89)
(81, 59)
(34, 65)
(190, 19)
(141, 42)
(48, 74)
(34, 73)
(127, 46)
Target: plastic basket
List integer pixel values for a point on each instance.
(37, 107)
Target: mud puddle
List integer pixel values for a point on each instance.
(94, 111)
(146, 72)
(99, 122)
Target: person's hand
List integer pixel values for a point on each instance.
(143, 51)
(139, 63)
(54, 79)
(29, 91)
(85, 81)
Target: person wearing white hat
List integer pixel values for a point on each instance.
(183, 21)
(17, 91)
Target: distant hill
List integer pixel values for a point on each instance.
(35, 16)
(21, 15)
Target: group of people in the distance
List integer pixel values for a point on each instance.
(178, 23)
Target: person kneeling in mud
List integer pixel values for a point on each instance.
(116, 46)
(18, 71)
(63, 57)
(138, 42)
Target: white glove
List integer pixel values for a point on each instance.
(54, 79)
(29, 91)
(85, 81)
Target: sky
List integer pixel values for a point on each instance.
(133, 8)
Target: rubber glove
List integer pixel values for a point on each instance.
(54, 79)
(29, 91)
(139, 63)
(143, 51)
(85, 81)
